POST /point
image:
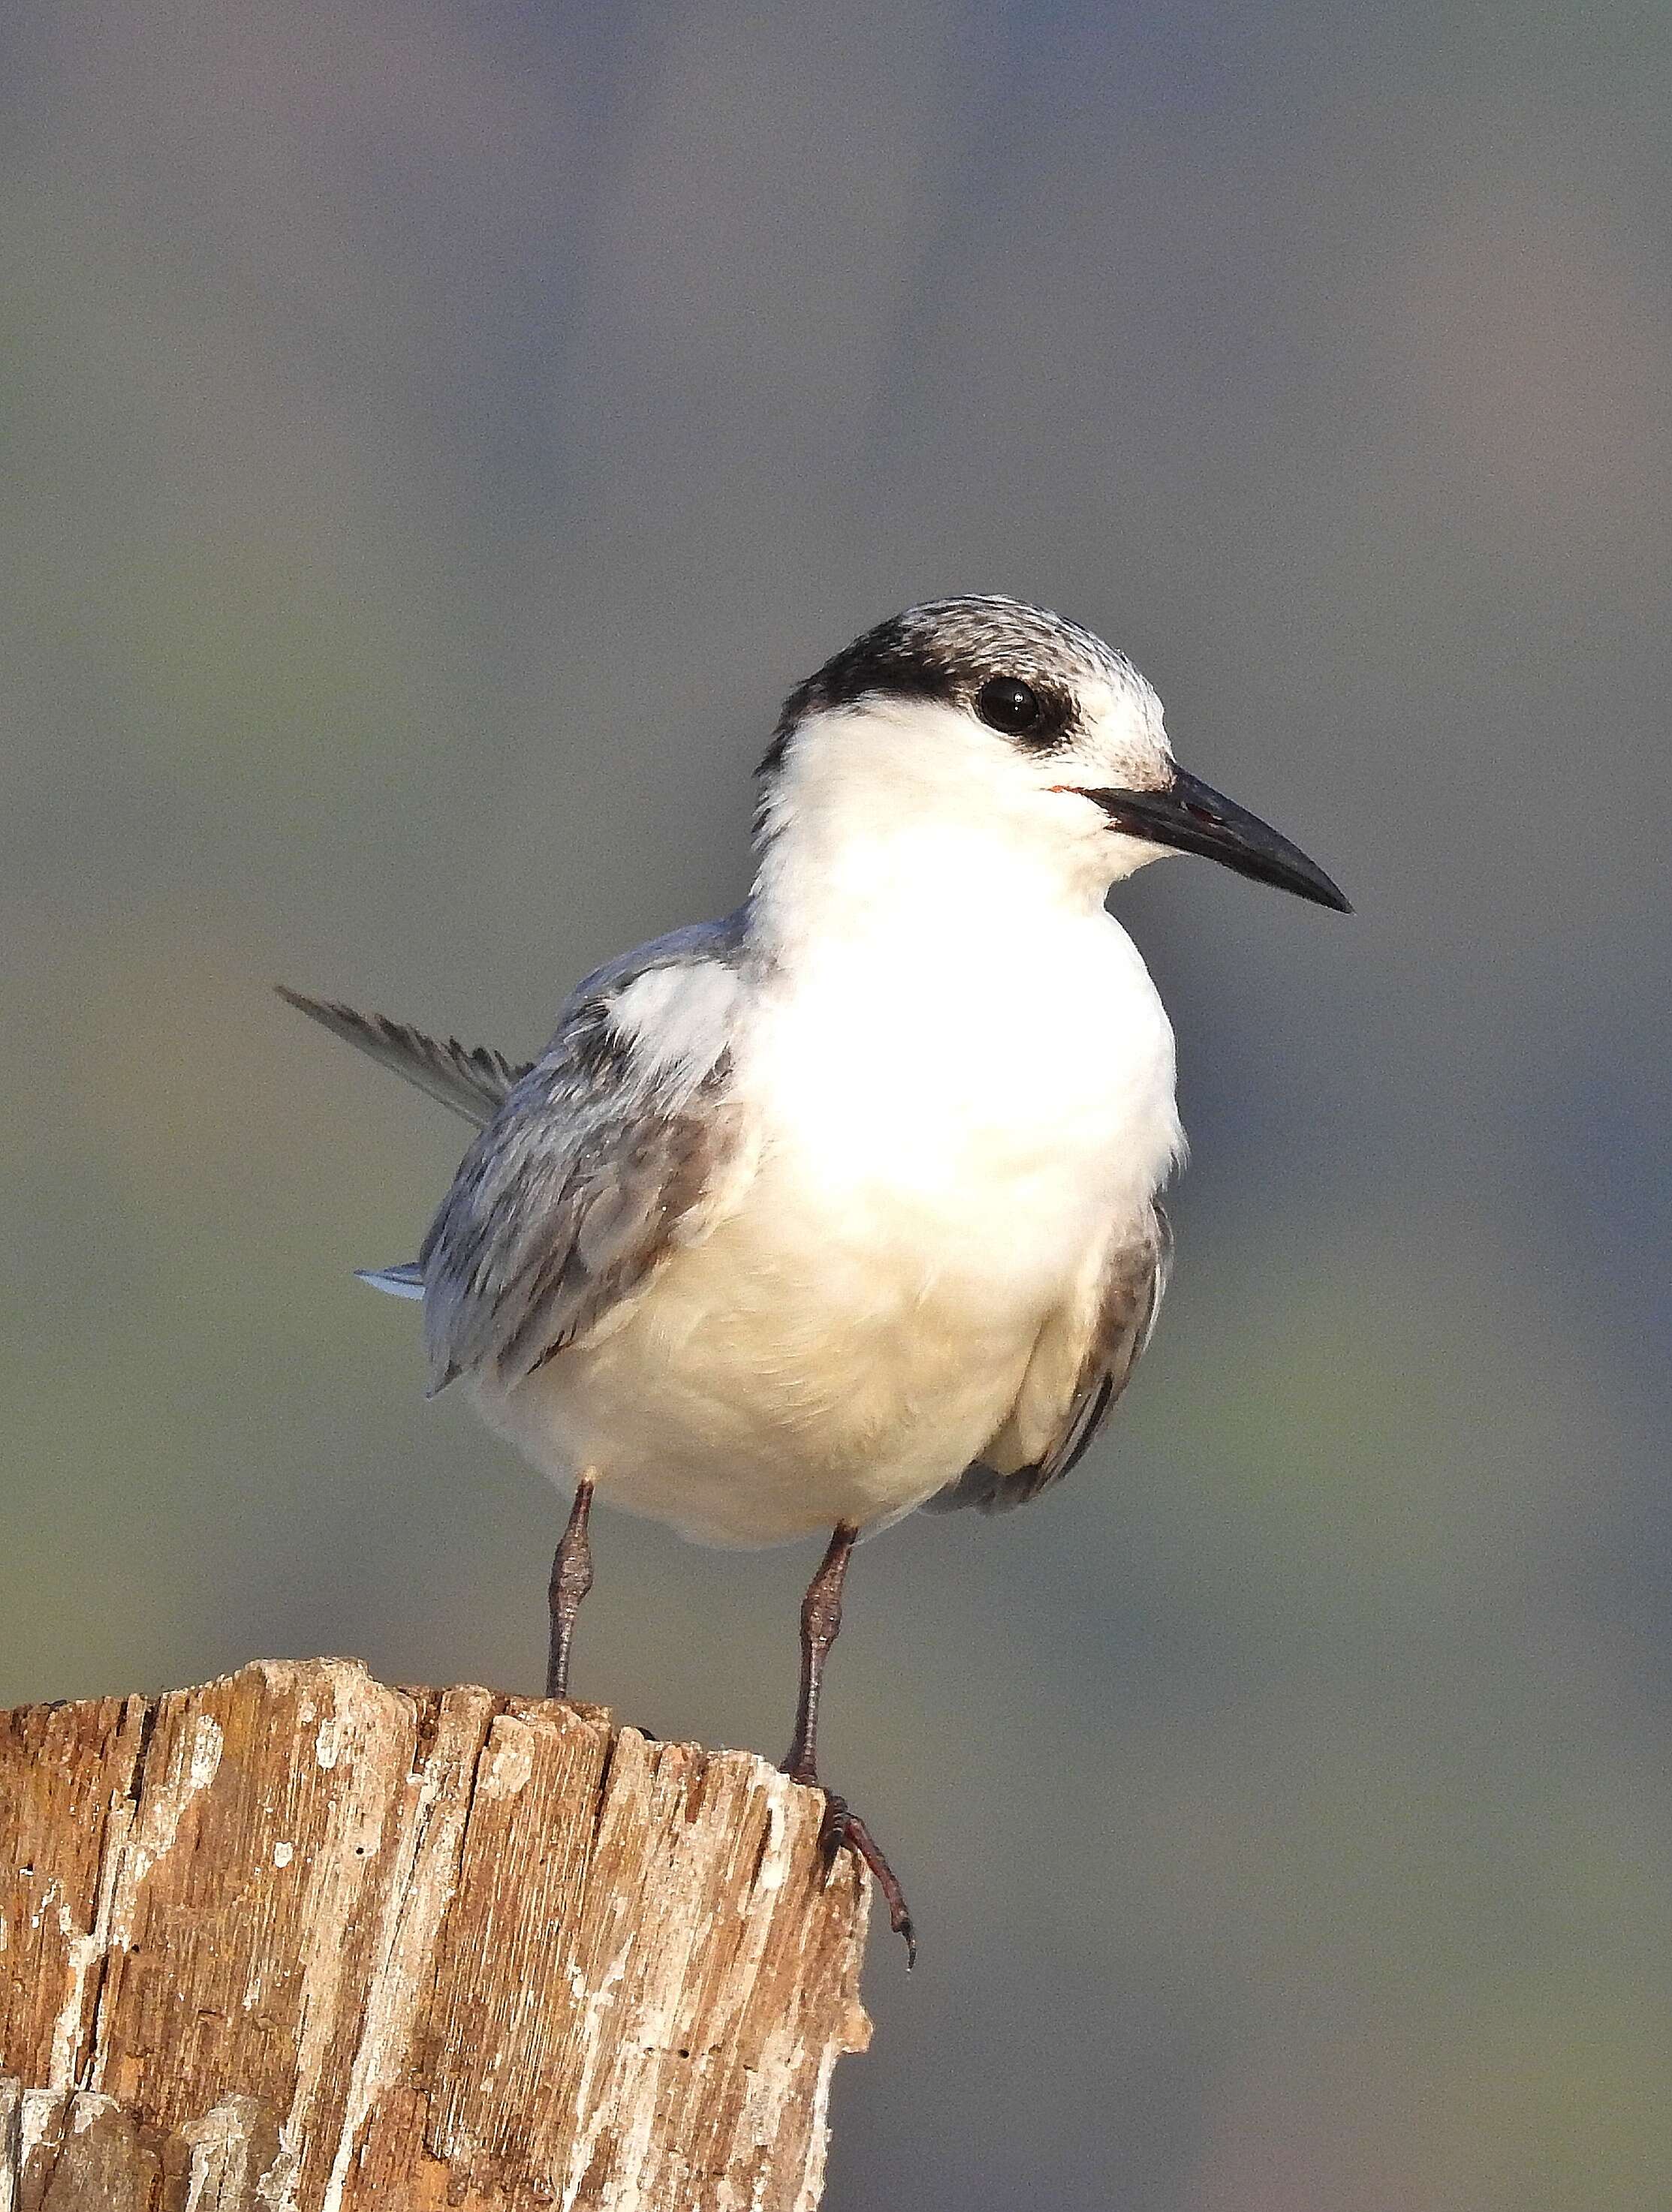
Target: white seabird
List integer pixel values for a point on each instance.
(847, 1203)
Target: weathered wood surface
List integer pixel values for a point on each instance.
(299, 1942)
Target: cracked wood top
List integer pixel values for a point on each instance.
(296, 1942)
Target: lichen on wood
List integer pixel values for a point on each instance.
(296, 1942)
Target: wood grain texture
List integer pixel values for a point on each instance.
(296, 1942)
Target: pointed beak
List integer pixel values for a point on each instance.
(1191, 816)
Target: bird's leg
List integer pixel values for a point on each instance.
(821, 1623)
(571, 1578)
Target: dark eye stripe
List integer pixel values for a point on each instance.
(948, 651)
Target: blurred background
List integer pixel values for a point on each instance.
(436, 435)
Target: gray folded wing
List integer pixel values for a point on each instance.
(1132, 1294)
(617, 1146)
(472, 1081)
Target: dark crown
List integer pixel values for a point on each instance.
(945, 650)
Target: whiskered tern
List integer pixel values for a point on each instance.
(847, 1203)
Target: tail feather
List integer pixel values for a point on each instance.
(471, 1082)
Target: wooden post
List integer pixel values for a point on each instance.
(299, 1942)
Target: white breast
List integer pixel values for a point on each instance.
(976, 1122)
(942, 1147)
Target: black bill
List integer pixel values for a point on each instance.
(1191, 816)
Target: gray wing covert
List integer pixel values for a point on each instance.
(1132, 1295)
(607, 1156)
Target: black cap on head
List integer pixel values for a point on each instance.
(949, 651)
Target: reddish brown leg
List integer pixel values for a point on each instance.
(571, 1578)
(821, 1623)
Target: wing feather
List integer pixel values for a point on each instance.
(603, 1160)
(1133, 1288)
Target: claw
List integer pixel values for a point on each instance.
(856, 1833)
(833, 1829)
(842, 1828)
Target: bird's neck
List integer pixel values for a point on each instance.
(943, 1013)
(907, 888)
(865, 849)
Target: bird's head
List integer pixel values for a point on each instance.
(986, 710)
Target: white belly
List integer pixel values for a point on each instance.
(937, 1169)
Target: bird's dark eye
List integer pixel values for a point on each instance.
(1005, 702)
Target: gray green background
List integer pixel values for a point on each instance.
(434, 436)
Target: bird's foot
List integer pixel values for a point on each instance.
(842, 1827)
